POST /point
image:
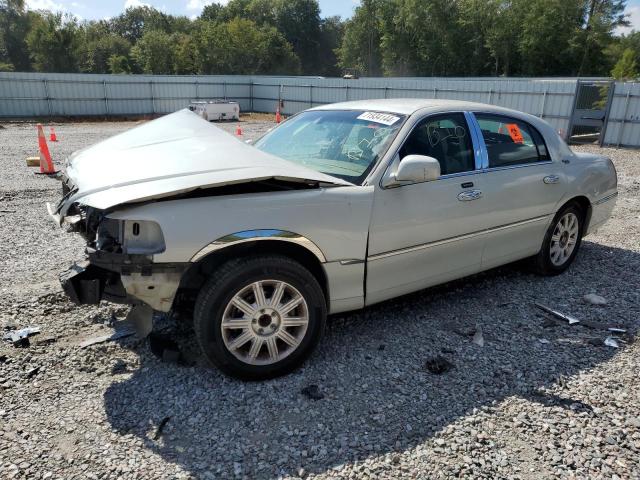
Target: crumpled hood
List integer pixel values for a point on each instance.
(174, 154)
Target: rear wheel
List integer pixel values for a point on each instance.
(259, 317)
(561, 242)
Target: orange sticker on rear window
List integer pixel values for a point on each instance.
(515, 133)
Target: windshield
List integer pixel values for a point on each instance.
(345, 144)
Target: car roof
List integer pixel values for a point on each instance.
(408, 106)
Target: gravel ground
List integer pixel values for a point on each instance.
(539, 400)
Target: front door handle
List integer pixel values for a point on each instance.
(549, 179)
(469, 195)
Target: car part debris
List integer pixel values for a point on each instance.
(20, 338)
(567, 318)
(438, 365)
(617, 330)
(594, 299)
(611, 342)
(122, 332)
(160, 428)
(141, 316)
(478, 338)
(585, 323)
(312, 392)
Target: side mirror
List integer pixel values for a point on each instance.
(417, 168)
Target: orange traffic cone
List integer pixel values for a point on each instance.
(46, 165)
(278, 117)
(238, 131)
(53, 137)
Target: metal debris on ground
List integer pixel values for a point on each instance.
(617, 330)
(160, 428)
(594, 299)
(567, 318)
(585, 323)
(312, 392)
(478, 338)
(611, 342)
(32, 372)
(438, 365)
(122, 332)
(20, 338)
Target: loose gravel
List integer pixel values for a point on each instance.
(540, 399)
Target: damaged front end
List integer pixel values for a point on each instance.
(119, 263)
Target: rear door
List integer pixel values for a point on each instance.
(523, 188)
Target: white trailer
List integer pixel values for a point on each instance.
(216, 109)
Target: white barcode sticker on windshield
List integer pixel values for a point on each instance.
(383, 118)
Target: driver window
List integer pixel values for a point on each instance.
(445, 138)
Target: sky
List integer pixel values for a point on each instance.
(99, 9)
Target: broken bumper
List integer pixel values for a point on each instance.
(122, 279)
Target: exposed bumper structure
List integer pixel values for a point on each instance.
(128, 279)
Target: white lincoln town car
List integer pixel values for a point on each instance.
(340, 207)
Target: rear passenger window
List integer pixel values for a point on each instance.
(510, 141)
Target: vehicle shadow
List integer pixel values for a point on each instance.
(378, 397)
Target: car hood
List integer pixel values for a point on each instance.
(174, 154)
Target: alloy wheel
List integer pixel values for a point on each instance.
(564, 239)
(264, 322)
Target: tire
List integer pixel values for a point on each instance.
(262, 339)
(561, 242)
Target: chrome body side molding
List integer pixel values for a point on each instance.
(259, 235)
(455, 239)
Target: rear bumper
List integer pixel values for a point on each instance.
(127, 279)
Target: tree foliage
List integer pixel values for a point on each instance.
(383, 37)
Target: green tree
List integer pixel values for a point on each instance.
(627, 67)
(119, 64)
(360, 48)
(600, 19)
(98, 45)
(15, 22)
(185, 62)
(135, 21)
(154, 53)
(545, 38)
(53, 42)
(331, 33)
(211, 12)
(241, 47)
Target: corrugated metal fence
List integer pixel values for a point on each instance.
(42, 95)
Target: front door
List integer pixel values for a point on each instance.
(426, 233)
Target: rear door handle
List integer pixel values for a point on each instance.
(469, 195)
(551, 179)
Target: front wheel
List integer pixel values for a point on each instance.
(259, 317)
(561, 242)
